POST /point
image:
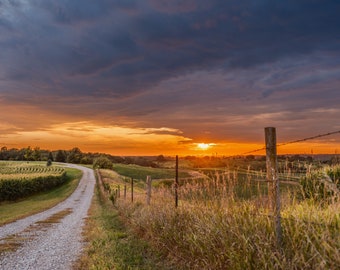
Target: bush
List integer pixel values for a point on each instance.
(102, 163)
(320, 185)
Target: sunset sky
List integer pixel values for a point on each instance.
(150, 77)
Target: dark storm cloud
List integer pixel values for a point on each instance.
(68, 12)
(201, 67)
(123, 47)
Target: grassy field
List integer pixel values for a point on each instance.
(139, 172)
(215, 228)
(11, 211)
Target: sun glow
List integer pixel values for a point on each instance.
(203, 146)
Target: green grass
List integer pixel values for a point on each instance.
(11, 211)
(139, 172)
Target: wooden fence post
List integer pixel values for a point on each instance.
(148, 192)
(124, 191)
(176, 184)
(100, 180)
(118, 191)
(131, 189)
(273, 180)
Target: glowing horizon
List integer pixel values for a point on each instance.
(125, 141)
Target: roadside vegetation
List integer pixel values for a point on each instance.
(223, 221)
(111, 243)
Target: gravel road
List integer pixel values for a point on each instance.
(51, 239)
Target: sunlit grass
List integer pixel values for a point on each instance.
(221, 224)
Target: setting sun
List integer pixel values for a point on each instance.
(203, 146)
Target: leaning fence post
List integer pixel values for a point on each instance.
(176, 184)
(273, 180)
(148, 192)
(131, 189)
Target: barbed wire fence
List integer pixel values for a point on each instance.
(272, 177)
(272, 173)
(290, 142)
(287, 180)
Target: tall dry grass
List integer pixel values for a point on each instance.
(222, 224)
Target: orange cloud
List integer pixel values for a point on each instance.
(117, 140)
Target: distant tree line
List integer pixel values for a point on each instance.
(75, 155)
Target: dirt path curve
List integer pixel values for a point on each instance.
(51, 239)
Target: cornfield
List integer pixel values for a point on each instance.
(18, 180)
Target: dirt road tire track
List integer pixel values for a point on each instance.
(51, 239)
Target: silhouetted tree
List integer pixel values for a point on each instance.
(161, 158)
(4, 153)
(50, 156)
(86, 160)
(61, 156)
(28, 153)
(74, 156)
(36, 154)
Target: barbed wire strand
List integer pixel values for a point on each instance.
(292, 142)
(310, 138)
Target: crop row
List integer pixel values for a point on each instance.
(30, 170)
(14, 186)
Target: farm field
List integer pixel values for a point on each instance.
(20, 179)
(140, 172)
(50, 239)
(41, 200)
(224, 221)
